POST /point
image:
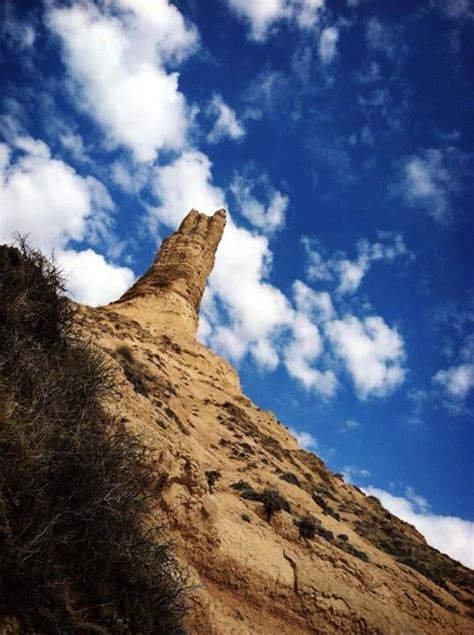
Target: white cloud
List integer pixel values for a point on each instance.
(257, 310)
(305, 439)
(73, 142)
(91, 279)
(379, 37)
(133, 97)
(268, 216)
(306, 12)
(350, 273)
(46, 198)
(352, 473)
(226, 124)
(328, 44)
(305, 345)
(182, 185)
(311, 302)
(457, 381)
(427, 181)
(449, 534)
(351, 424)
(262, 15)
(19, 35)
(455, 9)
(372, 352)
(300, 354)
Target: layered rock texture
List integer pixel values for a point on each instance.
(319, 557)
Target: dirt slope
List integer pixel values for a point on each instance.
(360, 570)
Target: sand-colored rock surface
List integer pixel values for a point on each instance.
(254, 574)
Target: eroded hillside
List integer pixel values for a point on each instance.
(275, 541)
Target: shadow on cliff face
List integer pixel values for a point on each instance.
(77, 550)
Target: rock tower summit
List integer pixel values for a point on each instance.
(168, 296)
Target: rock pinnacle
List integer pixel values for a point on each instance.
(174, 284)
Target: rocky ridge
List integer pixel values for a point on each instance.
(274, 540)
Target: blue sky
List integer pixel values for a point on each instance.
(339, 137)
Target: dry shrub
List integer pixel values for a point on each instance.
(78, 552)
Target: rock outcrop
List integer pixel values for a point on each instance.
(322, 558)
(173, 286)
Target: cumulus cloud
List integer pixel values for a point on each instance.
(328, 44)
(226, 124)
(261, 16)
(255, 309)
(133, 98)
(300, 354)
(306, 345)
(46, 199)
(350, 273)
(184, 184)
(458, 380)
(91, 279)
(268, 216)
(449, 534)
(428, 181)
(373, 353)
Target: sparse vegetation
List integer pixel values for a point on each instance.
(271, 499)
(289, 477)
(327, 509)
(212, 477)
(273, 502)
(307, 526)
(126, 353)
(132, 369)
(78, 549)
(387, 534)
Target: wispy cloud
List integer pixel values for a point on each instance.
(328, 44)
(226, 124)
(263, 205)
(429, 180)
(350, 273)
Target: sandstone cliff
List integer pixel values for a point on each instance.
(328, 559)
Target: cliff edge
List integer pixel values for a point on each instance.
(276, 542)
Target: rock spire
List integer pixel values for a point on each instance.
(174, 284)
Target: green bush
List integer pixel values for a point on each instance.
(78, 550)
